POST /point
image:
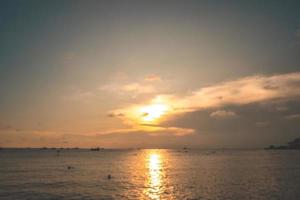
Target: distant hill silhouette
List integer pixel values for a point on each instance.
(295, 144)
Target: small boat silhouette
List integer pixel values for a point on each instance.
(95, 149)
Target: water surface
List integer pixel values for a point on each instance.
(149, 174)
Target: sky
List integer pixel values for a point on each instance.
(149, 74)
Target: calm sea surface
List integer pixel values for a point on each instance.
(149, 174)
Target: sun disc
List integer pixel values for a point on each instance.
(153, 112)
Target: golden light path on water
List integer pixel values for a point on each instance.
(154, 183)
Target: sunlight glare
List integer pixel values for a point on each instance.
(155, 176)
(153, 112)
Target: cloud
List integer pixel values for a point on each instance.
(79, 95)
(133, 88)
(152, 77)
(262, 124)
(243, 91)
(111, 87)
(120, 76)
(150, 129)
(222, 114)
(257, 124)
(150, 84)
(115, 115)
(293, 116)
(138, 88)
(281, 108)
(171, 130)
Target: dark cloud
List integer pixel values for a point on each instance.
(115, 115)
(258, 124)
(110, 115)
(293, 116)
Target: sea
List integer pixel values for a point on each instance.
(183, 174)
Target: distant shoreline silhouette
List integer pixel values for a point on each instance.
(295, 144)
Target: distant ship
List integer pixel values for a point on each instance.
(96, 149)
(295, 144)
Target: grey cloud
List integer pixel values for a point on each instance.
(223, 114)
(258, 124)
(292, 117)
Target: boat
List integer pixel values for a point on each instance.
(96, 149)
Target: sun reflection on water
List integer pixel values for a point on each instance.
(155, 175)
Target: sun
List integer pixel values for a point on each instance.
(153, 112)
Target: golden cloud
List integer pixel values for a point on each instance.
(242, 91)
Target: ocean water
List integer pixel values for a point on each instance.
(150, 174)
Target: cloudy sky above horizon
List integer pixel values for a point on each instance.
(149, 73)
